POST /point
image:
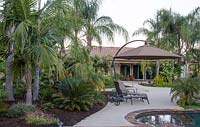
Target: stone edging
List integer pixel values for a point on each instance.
(132, 116)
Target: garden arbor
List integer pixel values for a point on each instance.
(145, 52)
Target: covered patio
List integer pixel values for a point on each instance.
(136, 56)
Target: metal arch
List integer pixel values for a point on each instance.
(113, 60)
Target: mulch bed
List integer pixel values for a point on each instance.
(69, 118)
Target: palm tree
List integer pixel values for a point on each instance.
(190, 34)
(9, 21)
(95, 27)
(184, 90)
(31, 44)
(80, 22)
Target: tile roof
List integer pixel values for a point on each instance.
(107, 51)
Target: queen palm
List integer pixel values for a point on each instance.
(85, 24)
(95, 27)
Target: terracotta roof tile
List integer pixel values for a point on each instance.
(107, 51)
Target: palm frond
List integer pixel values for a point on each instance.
(141, 31)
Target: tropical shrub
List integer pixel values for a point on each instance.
(40, 118)
(99, 98)
(75, 95)
(158, 81)
(183, 90)
(3, 108)
(46, 92)
(101, 64)
(79, 64)
(109, 81)
(47, 106)
(2, 94)
(20, 109)
(19, 89)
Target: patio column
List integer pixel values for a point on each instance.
(131, 69)
(157, 68)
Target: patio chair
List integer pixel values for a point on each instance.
(126, 90)
(119, 96)
(124, 93)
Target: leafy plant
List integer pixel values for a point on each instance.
(3, 107)
(20, 109)
(2, 94)
(75, 95)
(40, 118)
(158, 81)
(183, 90)
(109, 81)
(46, 92)
(47, 106)
(19, 89)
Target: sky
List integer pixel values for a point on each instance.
(132, 13)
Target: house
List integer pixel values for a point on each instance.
(129, 69)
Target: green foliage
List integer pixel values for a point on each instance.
(99, 98)
(47, 106)
(19, 89)
(3, 107)
(40, 118)
(19, 109)
(109, 81)
(75, 95)
(47, 86)
(2, 94)
(158, 81)
(80, 66)
(46, 92)
(101, 64)
(183, 90)
(169, 70)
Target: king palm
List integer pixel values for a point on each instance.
(31, 43)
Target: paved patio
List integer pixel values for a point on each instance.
(113, 115)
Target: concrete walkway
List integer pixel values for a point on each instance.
(113, 115)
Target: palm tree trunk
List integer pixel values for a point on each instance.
(36, 85)
(89, 40)
(10, 58)
(9, 83)
(28, 86)
(187, 71)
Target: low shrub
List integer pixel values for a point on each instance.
(46, 91)
(158, 81)
(99, 98)
(183, 91)
(47, 106)
(75, 95)
(20, 109)
(40, 118)
(2, 95)
(19, 89)
(3, 108)
(108, 80)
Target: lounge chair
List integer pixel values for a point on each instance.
(119, 96)
(122, 94)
